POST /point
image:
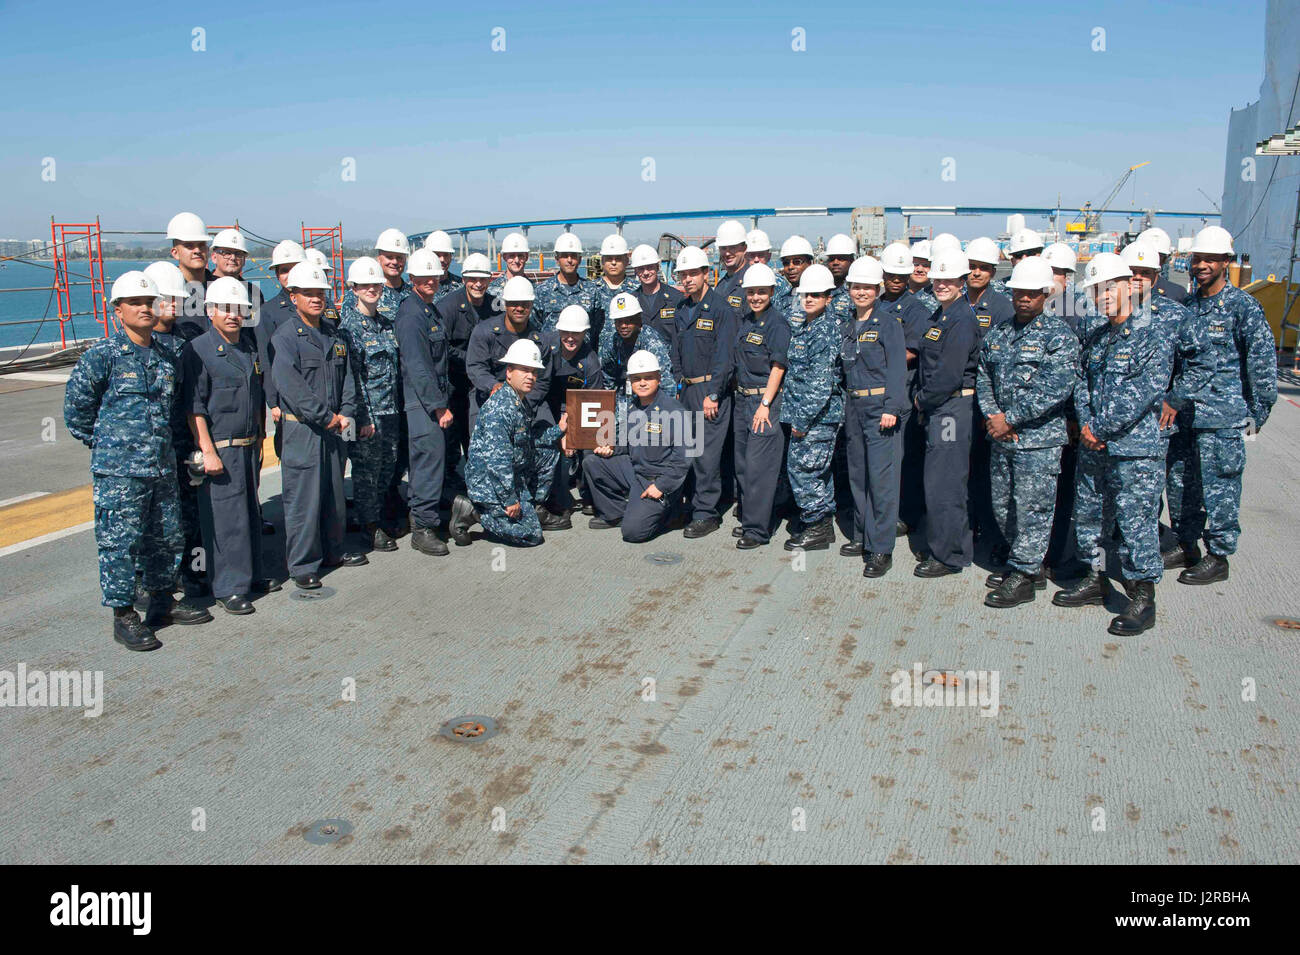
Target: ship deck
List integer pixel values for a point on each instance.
(772, 696)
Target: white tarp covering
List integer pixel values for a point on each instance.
(1266, 236)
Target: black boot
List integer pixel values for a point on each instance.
(379, 539)
(994, 580)
(851, 549)
(814, 537)
(1091, 590)
(551, 521)
(931, 568)
(701, 528)
(1184, 555)
(463, 517)
(427, 541)
(877, 565)
(1017, 588)
(1140, 614)
(1210, 569)
(129, 631)
(165, 609)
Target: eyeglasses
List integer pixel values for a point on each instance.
(230, 253)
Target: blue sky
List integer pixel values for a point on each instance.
(446, 132)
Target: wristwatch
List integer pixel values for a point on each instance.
(767, 402)
(713, 398)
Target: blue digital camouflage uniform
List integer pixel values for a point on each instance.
(783, 295)
(604, 294)
(703, 364)
(372, 347)
(991, 310)
(193, 564)
(841, 306)
(1029, 373)
(502, 467)
(813, 404)
(925, 296)
(389, 299)
(488, 343)
(552, 297)
(614, 353)
(1125, 373)
(448, 285)
(873, 354)
(1237, 401)
(119, 403)
(581, 370)
(763, 340)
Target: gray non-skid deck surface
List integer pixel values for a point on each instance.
(772, 695)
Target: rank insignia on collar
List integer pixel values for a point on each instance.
(257, 367)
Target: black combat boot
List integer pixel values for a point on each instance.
(817, 536)
(931, 568)
(851, 549)
(165, 609)
(551, 521)
(877, 565)
(463, 517)
(1092, 589)
(1186, 554)
(427, 541)
(994, 580)
(1140, 614)
(701, 528)
(1016, 588)
(379, 538)
(1210, 569)
(129, 631)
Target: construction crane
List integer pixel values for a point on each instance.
(1089, 222)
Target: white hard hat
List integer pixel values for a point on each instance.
(795, 245)
(949, 265)
(982, 249)
(438, 241)
(1140, 255)
(517, 289)
(816, 279)
(133, 284)
(573, 318)
(1058, 255)
(514, 242)
(366, 271)
(641, 362)
(756, 240)
(691, 257)
(866, 271)
(317, 258)
(1158, 238)
(1033, 273)
(167, 278)
(476, 263)
(896, 259)
(945, 242)
(393, 240)
(1103, 267)
(1212, 240)
(287, 252)
(306, 275)
(613, 245)
(424, 263)
(187, 227)
(567, 242)
(731, 232)
(624, 305)
(758, 275)
(227, 291)
(841, 244)
(922, 250)
(229, 239)
(644, 255)
(1024, 240)
(523, 352)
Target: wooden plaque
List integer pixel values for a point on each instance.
(587, 408)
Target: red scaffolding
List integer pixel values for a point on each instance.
(314, 237)
(62, 236)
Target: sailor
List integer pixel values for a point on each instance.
(167, 307)
(502, 466)
(1126, 362)
(490, 340)
(319, 404)
(758, 250)
(634, 483)
(1028, 371)
(1240, 396)
(318, 258)
(226, 415)
(896, 264)
(796, 255)
(991, 309)
(703, 364)
(730, 242)
(658, 300)
(813, 407)
(275, 312)
(372, 349)
(1063, 302)
(1024, 243)
(919, 283)
(439, 243)
(1165, 286)
(566, 287)
(873, 354)
(841, 251)
(514, 253)
(425, 347)
(229, 255)
(391, 252)
(189, 248)
(762, 343)
(945, 385)
(118, 403)
(462, 311)
(613, 278)
(624, 334)
(570, 362)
